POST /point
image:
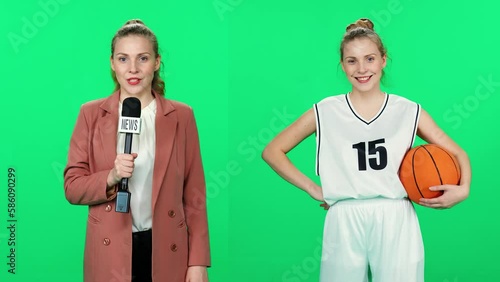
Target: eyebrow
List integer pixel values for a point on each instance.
(144, 53)
(365, 56)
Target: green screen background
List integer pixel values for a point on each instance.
(248, 68)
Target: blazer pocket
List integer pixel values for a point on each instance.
(182, 224)
(93, 219)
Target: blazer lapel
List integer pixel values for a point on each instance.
(108, 126)
(165, 130)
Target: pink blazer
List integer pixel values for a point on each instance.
(180, 229)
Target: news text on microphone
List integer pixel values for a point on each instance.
(130, 125)
(11, 221)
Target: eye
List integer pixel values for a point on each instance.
(371, 59)
(144, 59)
(122, 59)
(351, 61)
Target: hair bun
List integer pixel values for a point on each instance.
(134, 21)
(361, 23)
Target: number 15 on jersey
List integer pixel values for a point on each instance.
(377, 154)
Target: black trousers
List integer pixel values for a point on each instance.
(141, 256)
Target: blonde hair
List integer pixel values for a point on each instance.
(137, 27)
(362, 28)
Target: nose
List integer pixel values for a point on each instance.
(133, 67)
(362, 67)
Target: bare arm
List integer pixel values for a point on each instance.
(453, 194)
(275, 154)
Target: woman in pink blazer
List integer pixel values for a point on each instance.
(165, 236)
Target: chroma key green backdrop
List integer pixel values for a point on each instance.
(248, 68)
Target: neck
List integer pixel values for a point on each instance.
(366, 95)
(145, 97)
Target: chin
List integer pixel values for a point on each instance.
(366, 88)
(133, 91)
(371, 86)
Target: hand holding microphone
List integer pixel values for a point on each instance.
(130, 123)
(124, 167)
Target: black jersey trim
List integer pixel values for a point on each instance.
(375, 118)
(415, 126)
(318, 132)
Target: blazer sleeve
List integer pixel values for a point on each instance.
(82, 187)
(195, 199)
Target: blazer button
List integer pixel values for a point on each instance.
(106, 241)
(108, 208)
(173, 248)
(171, 213)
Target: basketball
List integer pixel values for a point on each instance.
(425, 166)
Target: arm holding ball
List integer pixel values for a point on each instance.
(429, 131)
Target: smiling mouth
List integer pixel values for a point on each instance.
(363, 79)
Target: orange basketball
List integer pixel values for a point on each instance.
(425, 166)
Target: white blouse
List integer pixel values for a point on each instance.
(140, 184)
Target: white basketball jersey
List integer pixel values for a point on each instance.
(360, 159)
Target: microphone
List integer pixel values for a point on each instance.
(130, 123)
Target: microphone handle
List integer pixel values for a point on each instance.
(124, 184)
(127, 150)
(128, 143)
(123, 195)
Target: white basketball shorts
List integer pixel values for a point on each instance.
(377, 235)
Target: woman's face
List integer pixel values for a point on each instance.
(363, 64)
(134, 64)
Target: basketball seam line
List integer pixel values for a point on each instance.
(413, 168)
(454, 164)
(435, 165)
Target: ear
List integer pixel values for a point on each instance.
(112, 63)
(384, 61)
(342, 65)
(157, 63)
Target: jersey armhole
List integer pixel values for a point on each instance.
(318, 137)
(415, 126)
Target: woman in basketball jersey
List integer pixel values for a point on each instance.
(362, 137)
